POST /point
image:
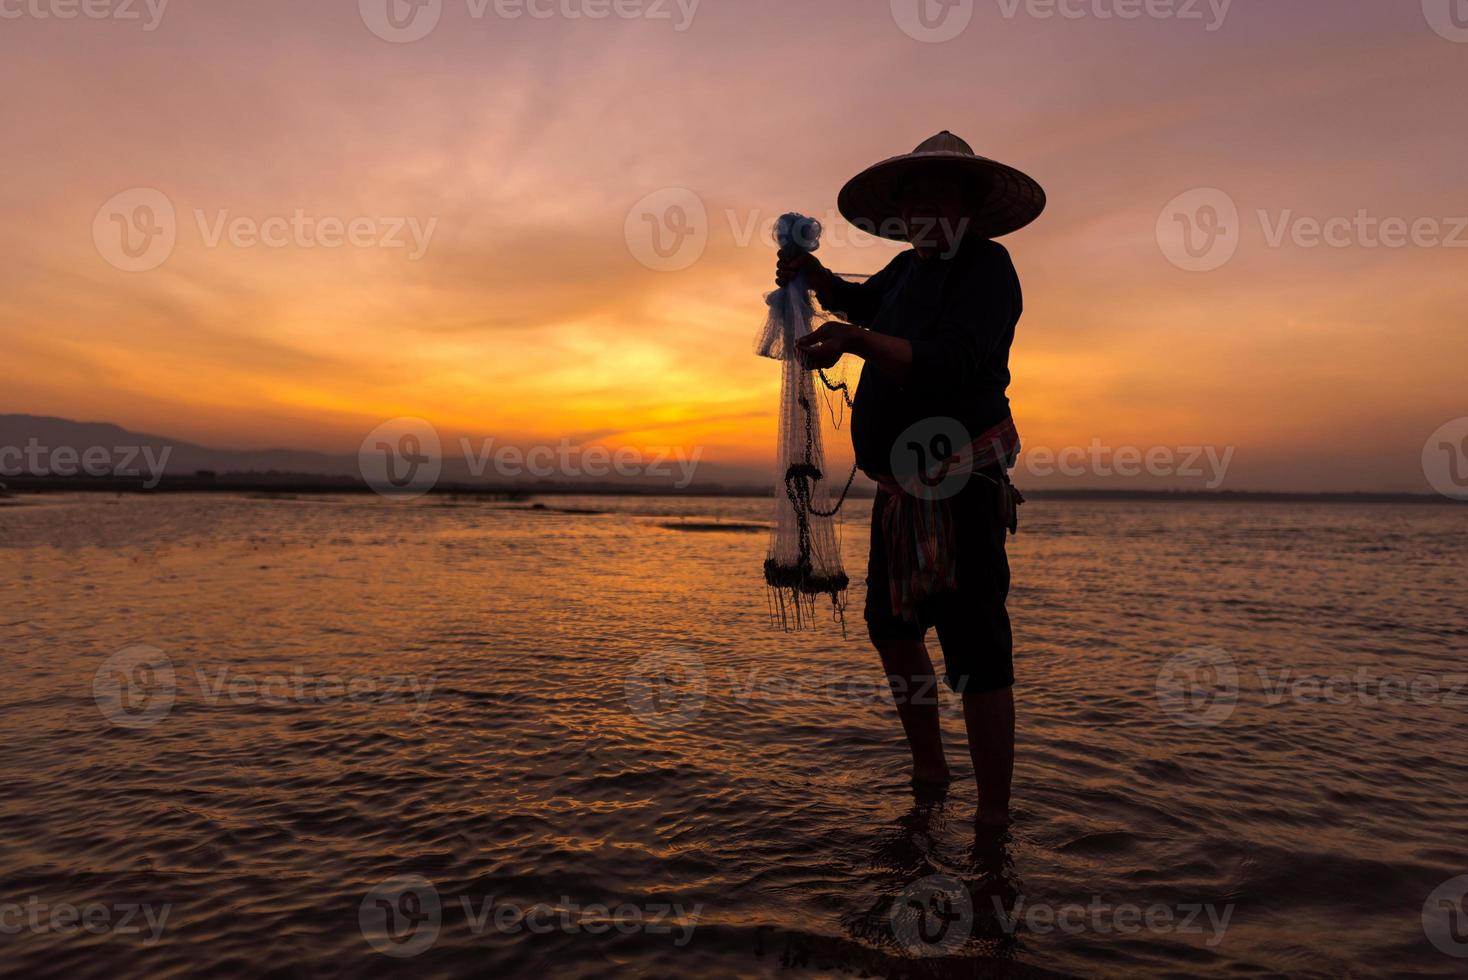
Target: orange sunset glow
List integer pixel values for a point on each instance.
(518, 148)
(458, 518)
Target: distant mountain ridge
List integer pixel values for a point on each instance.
(184, 459)
(283, 469)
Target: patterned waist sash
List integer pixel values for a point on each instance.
(917, 523)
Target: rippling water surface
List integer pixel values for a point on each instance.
(571, 743)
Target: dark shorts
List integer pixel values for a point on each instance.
(972, 622)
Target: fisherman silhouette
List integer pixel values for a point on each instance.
(931, 424)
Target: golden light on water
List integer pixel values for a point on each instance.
(517, 149)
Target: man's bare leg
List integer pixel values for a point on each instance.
(915, 691)
(989, 718)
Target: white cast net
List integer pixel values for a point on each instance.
(804, 560)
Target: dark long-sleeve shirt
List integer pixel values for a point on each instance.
(959, 313)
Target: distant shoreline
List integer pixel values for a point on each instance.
(302, 484)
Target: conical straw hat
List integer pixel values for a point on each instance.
(1006, 199)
